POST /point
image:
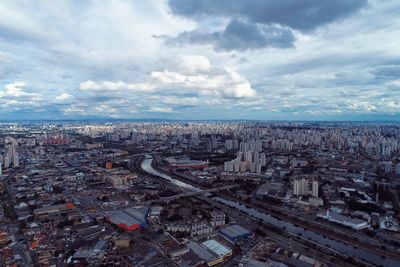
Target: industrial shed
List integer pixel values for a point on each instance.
(128, 219)
(235, 232)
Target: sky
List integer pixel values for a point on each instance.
(193, 59)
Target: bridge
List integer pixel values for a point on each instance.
(189, 194)
(145, 154)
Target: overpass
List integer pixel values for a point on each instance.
(189, 194)
(145, 154)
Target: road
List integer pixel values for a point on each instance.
(21, 248)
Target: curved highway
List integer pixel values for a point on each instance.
(146, 166)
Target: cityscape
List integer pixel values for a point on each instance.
(210, 193)
(199, 133)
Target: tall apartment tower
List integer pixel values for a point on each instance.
(229, 144)
(296, 186)
(11, 155)
(300, 187)
(194, 141)
(388, 166)
(304, 187)
(315, 189)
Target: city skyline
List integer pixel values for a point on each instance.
(243, 193)
(196, 60)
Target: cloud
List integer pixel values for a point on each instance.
(14, 96)
(176, 101)
(161, 110)
(254, 24)
(105, 109)
(228, 83)
(190, 74)
(394, 84)
(15, 90)
(63, 97)
(115, 86)
(184, 83)
(75, 110)
(387, 72)
(300, 15)
(194, 63)
(239, 35)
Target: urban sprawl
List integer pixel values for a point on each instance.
(223, 193)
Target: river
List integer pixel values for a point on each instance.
(325, 241)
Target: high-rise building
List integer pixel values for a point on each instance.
(194, 141)
(262, 159)
(243, 166)
(11, 155)
(236, 165)
(235, 144)
(315, 189)
(296, 187)
(7, 161)
(300, 187)
(16, 160)
(304, 187)
(229, 144)
(214, 141)
(248, 157)
(229, 166)
(388, 166)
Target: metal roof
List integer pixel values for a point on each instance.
(129, 216)
(217, 248)
(234, 231)
(201, 251)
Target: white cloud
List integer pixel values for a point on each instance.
(105, 109)
(207, 80)
(63, 97)
(161, 110)
(15, 90)
(115, 86)
(15, 97)
(75, 110)
(194, 63)
(395, 84)
(227, 84)
(189, 74)
(179, 101)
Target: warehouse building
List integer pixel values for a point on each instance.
(186, 164)
(335, 217)
(128, 219)
(53, 209)
(211, 251)
(235, 232)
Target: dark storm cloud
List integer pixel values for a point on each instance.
(302, 15)
(239, 35)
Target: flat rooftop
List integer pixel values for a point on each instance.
(234, 231)
(217, 248)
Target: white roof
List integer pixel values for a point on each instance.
(217, 247)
